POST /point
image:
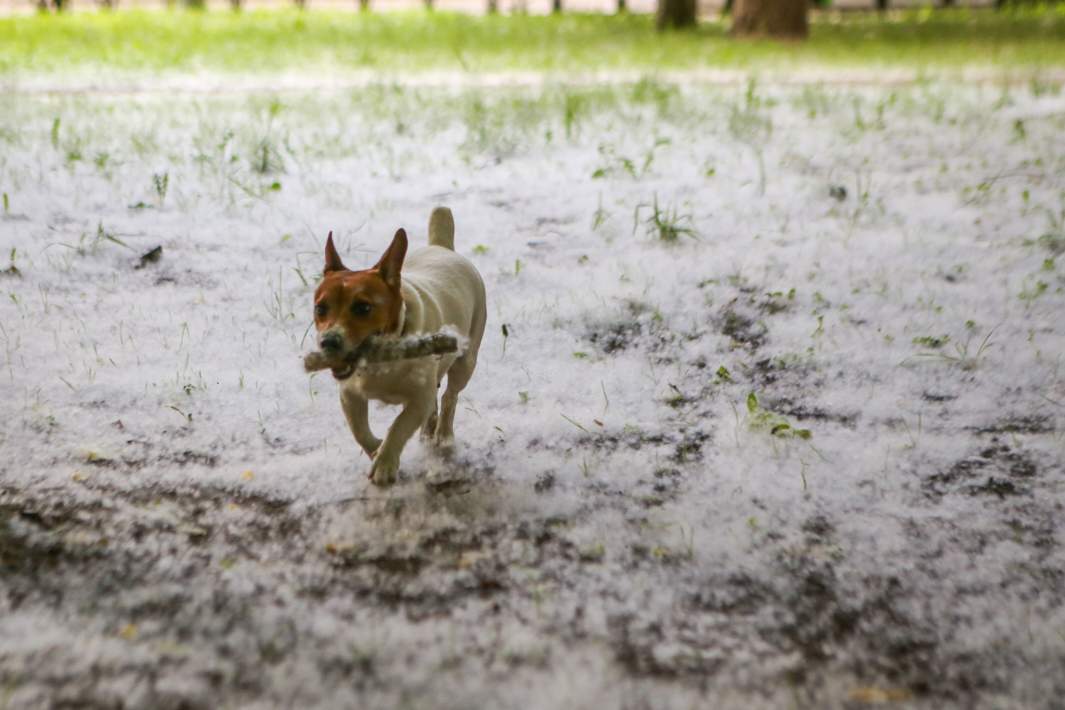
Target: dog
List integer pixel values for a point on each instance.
(399, 296)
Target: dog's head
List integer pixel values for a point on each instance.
(350, 306)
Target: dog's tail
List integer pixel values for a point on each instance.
(442, 228)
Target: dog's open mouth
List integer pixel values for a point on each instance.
(344, 371)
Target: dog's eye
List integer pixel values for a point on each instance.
(320, 310)
(361, 308)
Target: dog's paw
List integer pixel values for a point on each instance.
(384, 469)
(372, 448)
(444, 442)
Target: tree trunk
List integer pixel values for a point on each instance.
(364, 5)
(785, 19)
(675, 14)
(235, 5)
(493, 7)
(882, 5)
(621, 7)
(556, 6)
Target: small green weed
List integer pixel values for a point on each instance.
(1053, 243)
(600, 215)
(667, 224)
(932, 341)
(161, 182)
(266, 159)
(1030, 293)
(12, 270)
(761, 419)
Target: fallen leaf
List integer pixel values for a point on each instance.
(876, 696)
(150, 257)
(470, 558)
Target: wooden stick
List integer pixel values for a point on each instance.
(379, 349)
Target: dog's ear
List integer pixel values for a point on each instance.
(332, 259)
(392, 260)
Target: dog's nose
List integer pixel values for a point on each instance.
(330, 342)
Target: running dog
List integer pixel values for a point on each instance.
(401, 295)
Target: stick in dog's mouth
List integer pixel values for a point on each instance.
(381, 349)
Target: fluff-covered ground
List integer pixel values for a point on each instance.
(770, 412)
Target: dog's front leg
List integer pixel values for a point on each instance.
(357, 412)
(415, 411)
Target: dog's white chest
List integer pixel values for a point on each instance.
(396, 383)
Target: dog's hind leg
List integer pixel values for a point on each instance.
(457, 378)
(429, 428)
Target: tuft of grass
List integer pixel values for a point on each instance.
(592, 553)
(932, 341)
(1053, 240)
(964, 356)
(651, 91)
(599, 217)
(90, 244)
(667, 224)
(619, 164)
(750, 125)
(1030, 293)
(161, 182)
(12, 270)
(1053, 243)
(266, 158)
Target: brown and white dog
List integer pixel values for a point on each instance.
(437, 288)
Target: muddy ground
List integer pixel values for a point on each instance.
(233, 600)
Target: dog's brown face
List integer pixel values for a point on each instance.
(349, 305)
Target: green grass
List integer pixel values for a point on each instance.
(267, 41)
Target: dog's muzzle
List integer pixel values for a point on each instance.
(331, 343)
(332, 346)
